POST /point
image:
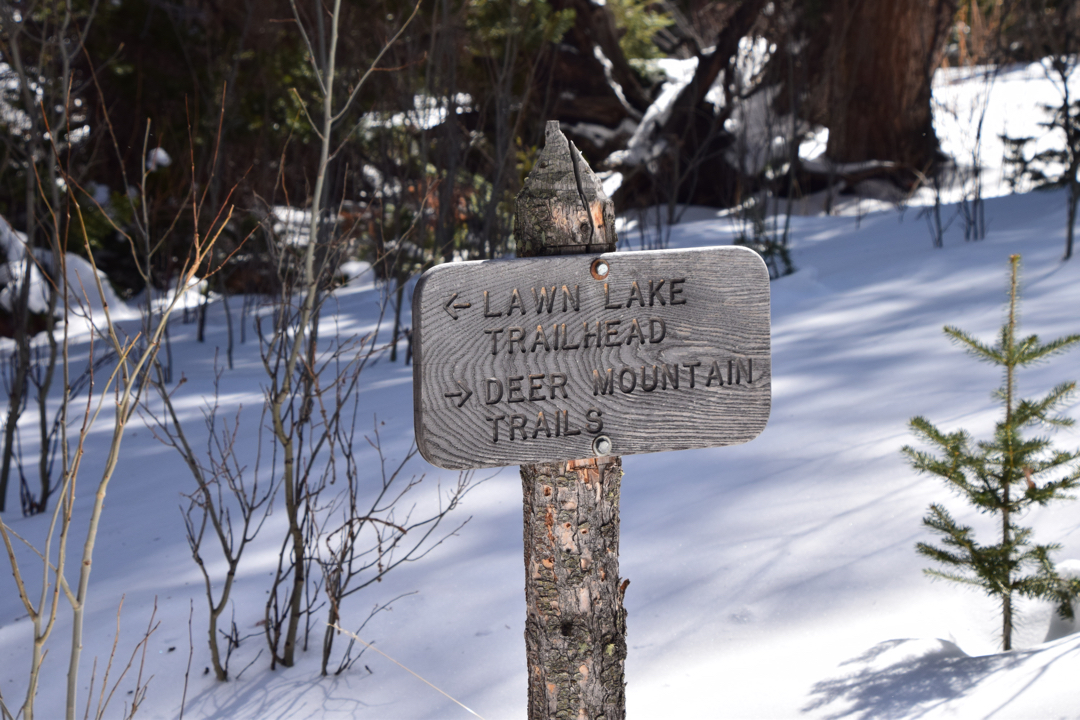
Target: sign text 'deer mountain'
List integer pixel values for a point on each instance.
(569, 357)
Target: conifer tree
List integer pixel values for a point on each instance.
(1003, 476)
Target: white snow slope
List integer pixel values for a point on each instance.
(776, 579)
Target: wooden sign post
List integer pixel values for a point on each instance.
(582, 352)
(575, 622)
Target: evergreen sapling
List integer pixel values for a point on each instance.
(1004, 477)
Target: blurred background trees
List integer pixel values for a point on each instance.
(689, 101)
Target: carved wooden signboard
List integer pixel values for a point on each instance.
(560, 358)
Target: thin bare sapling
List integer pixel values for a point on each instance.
(118, 393)
(972, 206)
(290, 349)
(230, 499)
(39, 46)
(114, 393)
(304, 435)
(51, 415)
(106, 692)
(135, 358)
(370, 529)
(1065, 116)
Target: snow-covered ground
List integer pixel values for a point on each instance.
(776, 579)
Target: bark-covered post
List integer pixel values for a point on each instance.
(575, 626)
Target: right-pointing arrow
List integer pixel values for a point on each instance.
(467, 393)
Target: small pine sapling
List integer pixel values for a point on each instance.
(1003, 476)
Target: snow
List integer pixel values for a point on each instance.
(775, 579)
(1059, 626)
(11, 116)
(427, 112)
(12, 242)
(1013, 97)
(83, 294)
(157, 158)
(641, 147)
(609, 75)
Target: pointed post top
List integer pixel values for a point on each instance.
(563, 210)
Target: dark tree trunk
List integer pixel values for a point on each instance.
(575, 625)
(594, 27)
(880, 60)
(693, 168)
(1070, 226)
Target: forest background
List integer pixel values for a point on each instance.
(217, 95)
(258, 149)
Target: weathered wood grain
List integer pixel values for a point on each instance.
(715, 324)
(562, 210)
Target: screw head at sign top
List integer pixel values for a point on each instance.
(602, 445)
(599, 269)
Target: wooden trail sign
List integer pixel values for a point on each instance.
(581, 352)
(574, 356)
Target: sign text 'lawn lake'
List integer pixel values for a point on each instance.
(568, 357)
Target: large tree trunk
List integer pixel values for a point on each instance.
(594, 27)
(878, 67)
(692, 167)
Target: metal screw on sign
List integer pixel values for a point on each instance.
(602, 445)
(599, 268)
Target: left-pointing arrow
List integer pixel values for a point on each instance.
(455, 305)
(463, 395)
